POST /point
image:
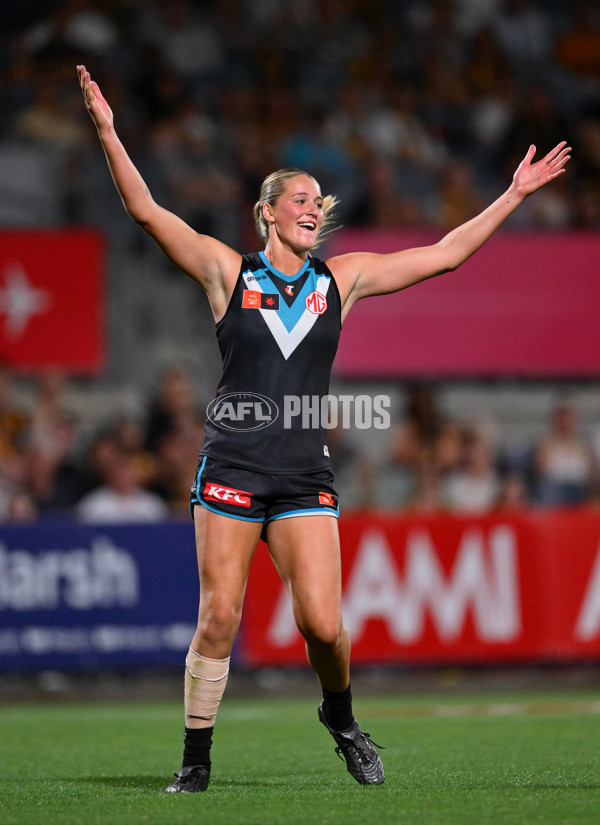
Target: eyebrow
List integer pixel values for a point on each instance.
(317, 197)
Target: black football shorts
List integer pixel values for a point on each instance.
(261, 497)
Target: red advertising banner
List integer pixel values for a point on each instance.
(51, 300)
(523, 305)
(449, 589)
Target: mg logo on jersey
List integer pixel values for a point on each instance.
(242, 411)
(216, 492)
(316, 303)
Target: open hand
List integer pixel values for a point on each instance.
(531, 176)
(95, 103)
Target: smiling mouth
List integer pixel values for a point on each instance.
(308, 225)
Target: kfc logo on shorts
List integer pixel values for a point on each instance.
(327, 499)
(316, 303)
(228, 495)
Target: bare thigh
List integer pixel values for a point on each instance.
(225, 547)
(306, 553)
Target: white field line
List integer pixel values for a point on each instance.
(539, 707)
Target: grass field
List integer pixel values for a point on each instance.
(519, 759)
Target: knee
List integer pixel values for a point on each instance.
(219, 622)
(323, 632)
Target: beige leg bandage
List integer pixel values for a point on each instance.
(205, 681)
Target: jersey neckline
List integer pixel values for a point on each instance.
(273, 269)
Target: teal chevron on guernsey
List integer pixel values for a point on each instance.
(277, 339)
(290, 324)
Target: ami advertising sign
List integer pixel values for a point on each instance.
(526, 304)
(52, 300)
(449, 589)
(437, 590)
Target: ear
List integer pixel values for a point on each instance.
(268, 213)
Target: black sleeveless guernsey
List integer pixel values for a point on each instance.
(278, 339)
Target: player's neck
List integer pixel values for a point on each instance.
(285, 259)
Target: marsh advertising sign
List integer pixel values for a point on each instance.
(75, 596)
(441, 589)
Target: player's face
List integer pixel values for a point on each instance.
(298, 213)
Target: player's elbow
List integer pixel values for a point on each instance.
(449, 257)
(141, 211)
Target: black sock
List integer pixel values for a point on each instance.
(338, 708)
(196, 746)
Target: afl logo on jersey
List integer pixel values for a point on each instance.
(316, 303)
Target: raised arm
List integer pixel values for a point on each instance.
(360, 274)
(213, 264)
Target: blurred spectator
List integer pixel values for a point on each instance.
(389, 205)
(174, 409)
(176, 460)
(538, 121)
(475, 486)
(13, 420)
(460, 199)
(513, 494)
(354, 471)
(473, 15)
(54, 479)
(121, 498)
(48, 120)
(21, 508)
(161, 89)
(493, 104)
(578, 46)
(188, 37)
(50, 467)
(424, 447)
(564, 461)
(524, 31)
(307, 147)
(425, 438)
(18, 78)
(49, 408)
(427, 495)
(71, 28)
(130, 437)
(99, 458)
(587, 181)
(7, 491)
(586, 209)
(199, 172)
(487, 65)
(395, 130)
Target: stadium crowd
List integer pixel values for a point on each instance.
(139, 468)
(413, 113)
